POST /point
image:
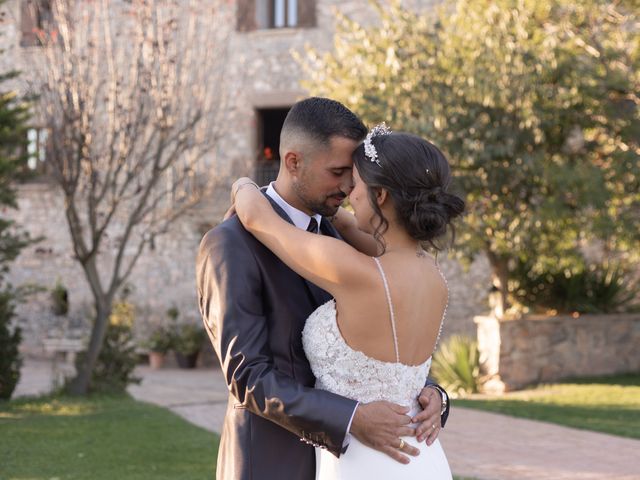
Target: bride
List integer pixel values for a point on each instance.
(375, 339)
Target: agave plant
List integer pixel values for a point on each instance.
(456, 366)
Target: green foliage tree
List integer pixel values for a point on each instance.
(534, 101)
(10, 361)
(14, 115)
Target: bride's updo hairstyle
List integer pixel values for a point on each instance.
(416, 175)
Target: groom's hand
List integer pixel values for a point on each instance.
(380, 425)
(429, 418)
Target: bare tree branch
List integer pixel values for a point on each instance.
(133, 96)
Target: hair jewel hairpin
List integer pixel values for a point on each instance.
(369, 149)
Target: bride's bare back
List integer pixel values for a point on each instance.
(419, 297)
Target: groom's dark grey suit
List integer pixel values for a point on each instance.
(254, 309)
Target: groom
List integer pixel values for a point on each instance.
(254, 309)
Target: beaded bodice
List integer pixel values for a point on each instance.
(345, 371)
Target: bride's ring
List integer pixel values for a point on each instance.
(401, 444)
(433, 427)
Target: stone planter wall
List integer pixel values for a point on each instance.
(535, 349)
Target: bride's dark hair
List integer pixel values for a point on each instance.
(416, 175)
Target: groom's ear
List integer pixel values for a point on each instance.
(292, 162)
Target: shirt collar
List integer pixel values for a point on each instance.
(298, 217)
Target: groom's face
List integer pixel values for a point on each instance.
(325, 177)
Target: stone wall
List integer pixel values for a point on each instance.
(538, 349)
(263, 74)
(164, 277)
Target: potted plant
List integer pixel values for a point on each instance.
(158, 343)
(187, 342)
(59, 299)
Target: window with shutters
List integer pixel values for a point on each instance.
(272, 14)
(35, 17)
(37, 146)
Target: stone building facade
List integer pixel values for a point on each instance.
(268, 83)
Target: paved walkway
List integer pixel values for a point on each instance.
(481, 445)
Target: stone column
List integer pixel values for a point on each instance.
(489, 347)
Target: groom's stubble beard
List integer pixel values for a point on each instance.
(316, 205)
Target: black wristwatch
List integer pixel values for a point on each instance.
(443, 396)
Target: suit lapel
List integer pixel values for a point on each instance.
(277, 208)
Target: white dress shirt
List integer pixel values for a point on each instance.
(299, 218)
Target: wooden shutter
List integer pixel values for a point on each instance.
(306, 13)
(246, 15)
(28, 23)
(34, 15)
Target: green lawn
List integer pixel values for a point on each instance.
(604, 404)
(100, 438)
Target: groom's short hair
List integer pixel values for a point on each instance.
(312, 122)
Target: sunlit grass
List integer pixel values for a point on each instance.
(100, 438)
(54, 407)
(603, 404)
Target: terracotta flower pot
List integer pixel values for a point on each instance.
(156, 359)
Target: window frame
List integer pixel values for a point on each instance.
(35, 16)
(275, 15)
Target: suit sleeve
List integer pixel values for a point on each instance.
(230, 299)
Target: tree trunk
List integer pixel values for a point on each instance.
(500, 276)
(103, 304)
(82, 381)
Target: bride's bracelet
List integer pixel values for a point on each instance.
(244, 185)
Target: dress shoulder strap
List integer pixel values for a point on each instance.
(446, 305)
(391, 313)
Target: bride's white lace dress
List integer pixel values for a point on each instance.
(340, 369)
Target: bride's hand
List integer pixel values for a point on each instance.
(347, 226)
(230, 212)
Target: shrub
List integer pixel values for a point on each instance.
(118, 358)
(456, 366)
(159, 340)
(10, 361)
(173, 313)
(595, 288)
(60, 299)
(188, 339)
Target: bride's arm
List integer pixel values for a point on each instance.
(327, 262)
(347, 226)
